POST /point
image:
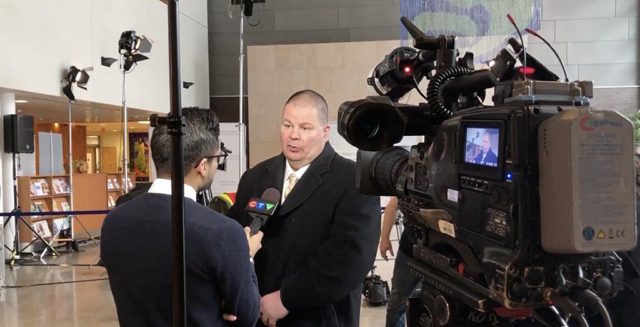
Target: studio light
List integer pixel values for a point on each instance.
(131, 46)
(75, 76)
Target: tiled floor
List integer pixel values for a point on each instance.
(88, 301)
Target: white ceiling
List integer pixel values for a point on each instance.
(97, 117)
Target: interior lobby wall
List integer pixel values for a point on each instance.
(43, 38)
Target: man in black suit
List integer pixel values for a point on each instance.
(136, 242)
(487, 156)
(321, 242)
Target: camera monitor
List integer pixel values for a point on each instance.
(483, 148)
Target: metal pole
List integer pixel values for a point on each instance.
(177, 170)
(70, 171)
(16, 243)
(125, 143)
(242, 131)
(50, 153)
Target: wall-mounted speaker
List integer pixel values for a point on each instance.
(18, 134)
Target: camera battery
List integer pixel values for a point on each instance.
(587, 182)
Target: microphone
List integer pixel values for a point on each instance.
(513, 22)
(260, 209)
(532, 32)
(540, 71)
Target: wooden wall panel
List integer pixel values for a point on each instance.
(89, 193)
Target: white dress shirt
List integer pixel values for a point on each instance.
(163, 186)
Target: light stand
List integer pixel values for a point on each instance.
(246, 9)
(242, 128)
(80, 78)
(125, 132)
(130, 46)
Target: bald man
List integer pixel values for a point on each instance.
(322, 240)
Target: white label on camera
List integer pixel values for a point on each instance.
(452, 195)
(447, 228)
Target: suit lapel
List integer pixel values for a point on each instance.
(275, 174)
(310, 181)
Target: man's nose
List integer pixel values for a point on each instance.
(295, 133)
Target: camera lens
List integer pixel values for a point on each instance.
(371, 124)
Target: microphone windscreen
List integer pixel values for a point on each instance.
(271, 194)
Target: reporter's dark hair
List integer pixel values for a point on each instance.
(200, 139)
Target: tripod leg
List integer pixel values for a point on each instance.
(15, 254)
(48, 246)
(85, 230)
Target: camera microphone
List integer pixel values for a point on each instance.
(260, 209)
(532, 32)
(524, 50)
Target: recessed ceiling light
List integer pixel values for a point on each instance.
(114, 130)
(102, 125)
(21, 101)
(145, 122)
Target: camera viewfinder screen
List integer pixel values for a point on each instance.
(482, 146)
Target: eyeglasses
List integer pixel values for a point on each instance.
(222, 160)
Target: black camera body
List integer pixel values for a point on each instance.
(516, 210)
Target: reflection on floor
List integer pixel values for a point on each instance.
(88, 301)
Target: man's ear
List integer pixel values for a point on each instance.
(326, 129)
(201, 168)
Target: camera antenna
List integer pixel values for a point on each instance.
(532, 32)
(513, 22)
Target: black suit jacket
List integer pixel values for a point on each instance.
(136, 250)
(320, 243)
(489, 159)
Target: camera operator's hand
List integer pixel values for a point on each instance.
(255, 241)
(385, 246)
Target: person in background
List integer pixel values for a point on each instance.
(321, 242)
(136, 246)
(402, 282)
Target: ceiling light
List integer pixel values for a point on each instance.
(145, 122)
(21, 101)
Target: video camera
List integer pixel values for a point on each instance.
(516, 209)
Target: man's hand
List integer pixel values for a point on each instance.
(255, 241)
(272, 309)
(229, 317)
(385, 245)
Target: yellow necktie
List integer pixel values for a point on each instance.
(291, 182)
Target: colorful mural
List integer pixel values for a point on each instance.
(480, 25)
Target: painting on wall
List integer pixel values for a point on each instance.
(139, 154)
